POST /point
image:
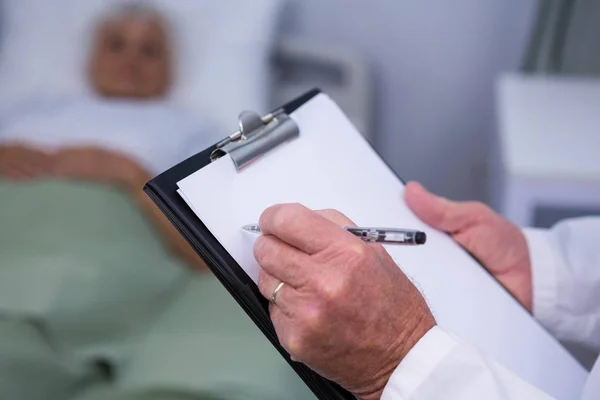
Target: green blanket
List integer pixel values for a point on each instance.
(93, 307)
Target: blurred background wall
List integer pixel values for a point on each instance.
(434, 63)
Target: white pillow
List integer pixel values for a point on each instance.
(223, 49)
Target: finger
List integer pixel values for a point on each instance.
(284, 329)
(31, 167)
(300, 227)
(342, 220)
(267, 284)
(23, 169)
(43, 161)
(15, 175)
(441, 213)
(280, 323)
(336, 216)
(284, 262)
(31, 162)
(69, 164)
(62, 165)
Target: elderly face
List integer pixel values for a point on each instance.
(131, 59)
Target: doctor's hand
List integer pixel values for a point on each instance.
(497, 243)
(345, 309)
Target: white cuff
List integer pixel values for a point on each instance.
(418, 365)
(545, 264)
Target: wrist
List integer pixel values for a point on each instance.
(398, 351)
(420, 364)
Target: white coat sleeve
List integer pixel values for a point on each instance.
(566, 279)
(566, 283)
(440, 366)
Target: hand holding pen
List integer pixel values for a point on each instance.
(331, 295)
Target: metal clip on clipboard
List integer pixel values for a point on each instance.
(256, 137)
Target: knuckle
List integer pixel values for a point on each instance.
(278, 216)
(478, 209)
(336, 216)
(332, 213)
(476, 206)
(294, 343)
(312, 320)
(287, 214)
(333, 291)
(358, 254)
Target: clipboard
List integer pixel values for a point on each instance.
(273, 129)
(258, 137)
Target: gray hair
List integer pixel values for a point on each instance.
(135, 9)
(132, 10)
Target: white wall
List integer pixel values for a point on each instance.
(434, 62)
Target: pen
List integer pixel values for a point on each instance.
(374, 235)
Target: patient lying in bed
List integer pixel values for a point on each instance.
(92, 303)
(121, 137)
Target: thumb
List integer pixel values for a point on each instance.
(438, 212)
(336, 216)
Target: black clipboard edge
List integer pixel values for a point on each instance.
(163, 192)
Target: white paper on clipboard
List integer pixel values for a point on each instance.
(332, 166)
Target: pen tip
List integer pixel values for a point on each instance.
(420, 238)
(251, 228)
